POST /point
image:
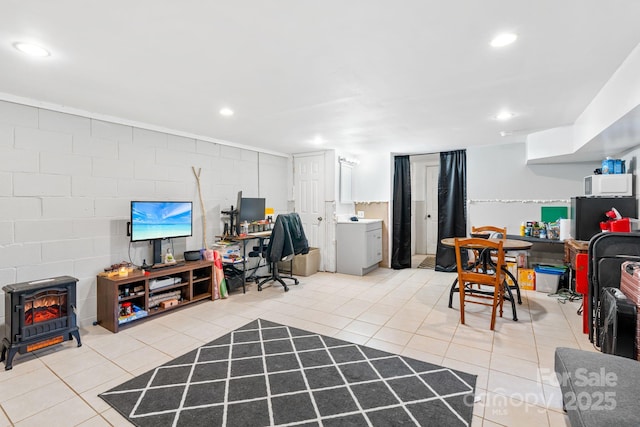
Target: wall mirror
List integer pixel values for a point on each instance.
(345, 183)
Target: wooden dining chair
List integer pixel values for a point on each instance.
(491, 232)
(491, 284)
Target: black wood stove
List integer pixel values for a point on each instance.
(38, 314)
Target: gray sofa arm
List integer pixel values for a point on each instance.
(598, 389)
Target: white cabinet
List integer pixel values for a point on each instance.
(359, 246)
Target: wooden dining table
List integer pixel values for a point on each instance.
(507, 245)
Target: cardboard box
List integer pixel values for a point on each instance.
(513, 269)
(169, 303)
(303, 265)
(527, 279)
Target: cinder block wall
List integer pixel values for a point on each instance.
(66, 183)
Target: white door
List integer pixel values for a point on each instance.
(418, 209)
(431, 216)
(308, 182)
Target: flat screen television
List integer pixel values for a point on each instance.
(250, 209)
(154, 221)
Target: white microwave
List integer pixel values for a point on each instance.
(608, 185)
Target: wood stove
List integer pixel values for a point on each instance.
(38, 314)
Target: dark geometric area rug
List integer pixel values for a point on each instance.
(267, 374)
(428, 262)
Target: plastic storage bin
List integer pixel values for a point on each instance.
(548, 278)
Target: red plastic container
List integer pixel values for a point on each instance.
(621, 225)
(126, 309)
(582, 286)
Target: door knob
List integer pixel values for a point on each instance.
(319, 218)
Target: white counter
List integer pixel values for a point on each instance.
(359, 246)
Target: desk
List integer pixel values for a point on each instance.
(507, 245)
(572, 248)
(261, 236)
(576, 254)
(543, 251)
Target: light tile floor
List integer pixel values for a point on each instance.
(402, 311)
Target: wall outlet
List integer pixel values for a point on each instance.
(360, 214)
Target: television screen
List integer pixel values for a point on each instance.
(160, 220)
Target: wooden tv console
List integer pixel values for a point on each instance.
(136, 292)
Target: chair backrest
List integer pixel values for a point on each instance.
(280, 245)
(493, 277)
(287, 238)
(494, 232)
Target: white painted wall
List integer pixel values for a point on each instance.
(66, 183)
(515, 190)
(273, 172)
(631, 164)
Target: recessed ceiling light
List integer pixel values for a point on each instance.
(318, 140)
(505, 133)
(31, 49)
(226, 112)
(504, 115)
(503, 39)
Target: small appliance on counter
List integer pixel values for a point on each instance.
(608, 185)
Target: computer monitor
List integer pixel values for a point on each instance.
(250, 209)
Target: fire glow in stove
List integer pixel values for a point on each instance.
(38, 314)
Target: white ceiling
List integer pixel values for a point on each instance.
(407, 76)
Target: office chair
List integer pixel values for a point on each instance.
(259, 252)
(287, 240)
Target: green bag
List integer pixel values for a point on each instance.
(223, 288)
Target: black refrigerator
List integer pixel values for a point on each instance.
(587, 213)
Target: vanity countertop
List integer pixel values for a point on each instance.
(360, 221)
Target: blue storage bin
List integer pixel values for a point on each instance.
(548, 278)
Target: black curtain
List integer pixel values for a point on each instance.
(452, 205)
(401, 247)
